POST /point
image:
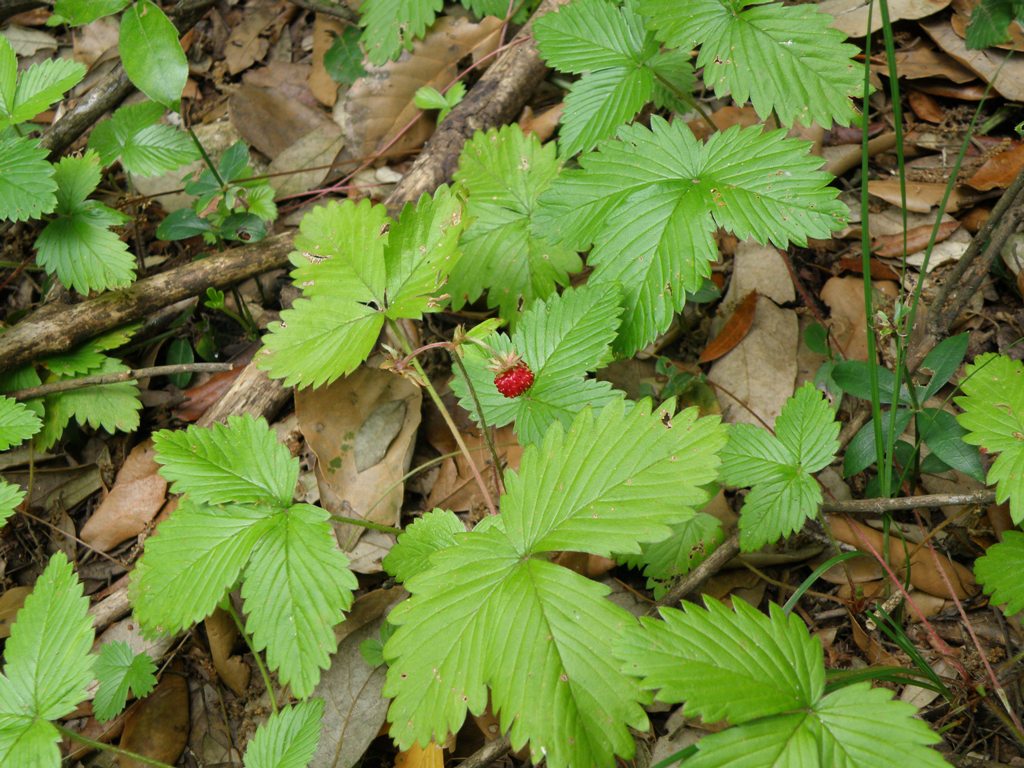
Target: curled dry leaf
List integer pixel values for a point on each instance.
(922, 196)
(138, 494)
(845, 298)
(926, 107)
(1000, 170)
(734, 330)
(891, 246)
(851, 16)
(922, 571)
(1006, 76)
(158, 727)
(380, 104)
(222, 635)
(322, 85)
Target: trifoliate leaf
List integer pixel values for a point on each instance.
(786, 59)
(113, 407)
(88, 357)
(145, 146)
(10, 497)
(779, 467)
(651, 200)
(505, 173)
(431, 533)
(610, 47)
(48, 667)
(356, 272)
(295, 589)
(25, 95)
(77, 246)
(687, 547)
(999, 572)
(26, 180)
(765, 675)
(561, 340)
(120, 670)
(236, 519)
(241, 462)
(288, 739)
(611, 482)
(993, 405)
(17, 423)
(76, 13)
(391, 26)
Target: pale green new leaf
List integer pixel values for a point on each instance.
(112, 407)
(241, 462)
(48, 667)
(10, 497)
(120, 670)
(505, 173)
(17, 423)
(24, 95)
(145, 146)
(551, 681)
(195, 556)
(999, 572)
(778, 467)
(785, 59)
(391, 26)
(27, 188)
(561, 339)
(296, 588)
(289, 737)
(993, 405)
(356, 268)
(765, 675)
(650, 200)
(429, 534)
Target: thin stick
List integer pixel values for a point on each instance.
(487, 754)
(695, 579)
(488, 437)
(30, 393)
(358, 521)
(929, 501)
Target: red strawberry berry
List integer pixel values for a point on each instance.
(513, 377)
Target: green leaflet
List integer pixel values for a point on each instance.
(237, 520)
(993, 405)
(779, 467)
(119, 670)
(650, 200)
(431, 533)
(504, 173)
(765, 676)
(358, 268)
(17, 423)
(145, 146)
(288, 739)
(612, 481)
(27, 188)
(561, 339)
(391, 26)
(999, 572)
(24, 95)
(785, 59)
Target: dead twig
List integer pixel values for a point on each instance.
(487, 754)
(66, 385)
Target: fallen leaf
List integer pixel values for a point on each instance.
(222, 635)
(920, 62)
(844, 296)
(199, 398)
(961, 18)
(758, 268)
(541, 125)
(138, 494)
(1009, 81)
(245, 45)
(879, 269)
(922, 196)
(975, 218)
(269, 120)
(27, 41)
(158, 726)
(891, 246)
(1000, 170)
(333, 417)
(322, 85)
(431, 756)
(734, 330)
(851, 16)
(455, 487)
(287, 174)
(926, 107)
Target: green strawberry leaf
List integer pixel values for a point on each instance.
(651, 200)
(24, 95)
(778, 467)
(993, 405)
(786, 59)
(690, 543)
(999, 572)
(48, 666)
(391, 26)
(10, 497)
(145, 146)
(27, 187)
(990, 22)
(561, 339)
(431, 533)
(505, 173)
(119, 671)
(17, 423)
(288, 739)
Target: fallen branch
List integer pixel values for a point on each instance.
(48, 332)
(30, 393)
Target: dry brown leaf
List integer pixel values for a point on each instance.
(756, 378)
(286, 174)
(926, 107)
(222, 634)
(287, 78)
(921, 62)
(734, 330)
(455, 488)
(922, 196)
(362, 429)
(999, 171)
(851, 16)
(891, 246)
(245, 45)
(431, 756)
(879, 269)
(986, 63)
(723, 118)
(923, 573)
(873, 650)
(138, 494)
(158, 727)
(967, 92)
(843, 157)
(542, 125)
(269, 120)
(975, 218)
(845, 298)
(200, 397)
(380, 104)
(325, 29)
